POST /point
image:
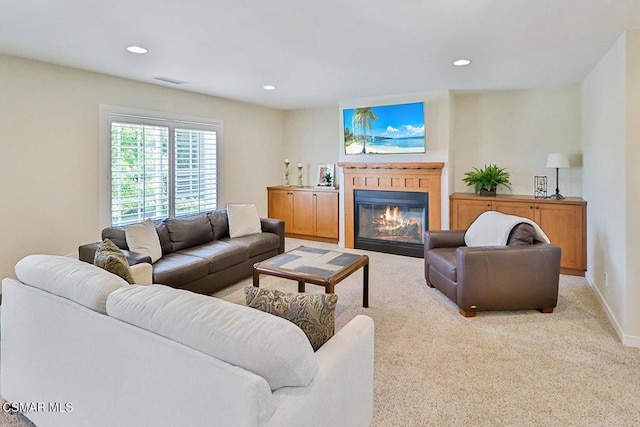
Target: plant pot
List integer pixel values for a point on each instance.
(490, 193)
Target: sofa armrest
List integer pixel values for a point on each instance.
(443, 239)
(275, 226)
(344, 381)
(491, 278)
(87, 253)
(136, 257)
(142, 273)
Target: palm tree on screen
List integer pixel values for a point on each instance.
(362, 118)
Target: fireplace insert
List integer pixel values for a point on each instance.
(391, 221)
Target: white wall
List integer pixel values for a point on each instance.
(611, 131)
(310, 137)
(49, 151)
(632, 159)
(604, 140)
(516, 129)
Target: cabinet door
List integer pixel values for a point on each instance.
(326, 218)
(564, 225)
(302, 212)
(464, 212)
(280, 204)
(523, 209)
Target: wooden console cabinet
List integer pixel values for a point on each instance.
(308, 212)
(563, 221)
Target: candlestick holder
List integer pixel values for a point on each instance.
(286, 173)
(299, 175)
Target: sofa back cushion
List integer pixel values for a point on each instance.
(521, 234)
(117, 235)
(69, 278)
(163, 235)
(266, 345)
(220, 223)
(189, 232)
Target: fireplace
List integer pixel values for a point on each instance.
(391, 221)
(421, 177)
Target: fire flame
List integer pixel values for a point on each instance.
(392, 218)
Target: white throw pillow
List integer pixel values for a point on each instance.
(243, 220)
(143, 238)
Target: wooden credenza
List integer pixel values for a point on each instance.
(563, 221)
(308, 212)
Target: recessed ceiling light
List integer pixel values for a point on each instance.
(137, 49)
(269, 87)
(461, 62)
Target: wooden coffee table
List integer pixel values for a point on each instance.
(316, 266)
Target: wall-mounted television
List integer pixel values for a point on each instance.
(385, 129)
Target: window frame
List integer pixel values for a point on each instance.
(109, 113)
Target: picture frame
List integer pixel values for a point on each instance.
(321, 175)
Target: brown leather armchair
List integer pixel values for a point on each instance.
(512, 277)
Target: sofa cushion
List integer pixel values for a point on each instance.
(219, 255)
(69, 278)
(116, 235)
(163, 235)
(143, 238)
(313, 313)
(189, 232)
(244, 220)
(521, 234)
(266, 345)
(256, 244)
(444, 260)
(109, 257)
(220, 223)
(177, 269)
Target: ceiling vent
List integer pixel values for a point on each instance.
(170, 80)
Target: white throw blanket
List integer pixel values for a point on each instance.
(492, 228)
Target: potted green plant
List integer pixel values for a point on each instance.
(486, 180)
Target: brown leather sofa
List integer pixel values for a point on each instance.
(197, 252)
(513, 277)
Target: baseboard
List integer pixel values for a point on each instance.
(625, 339)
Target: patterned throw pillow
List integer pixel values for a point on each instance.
(313, 313)
(111, 258)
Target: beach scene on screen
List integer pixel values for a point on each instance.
(385, 129)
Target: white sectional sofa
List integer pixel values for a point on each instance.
(82, 347)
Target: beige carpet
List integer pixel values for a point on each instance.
(434, 367)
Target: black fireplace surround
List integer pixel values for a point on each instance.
(391, 221)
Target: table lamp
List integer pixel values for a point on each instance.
(557, 160)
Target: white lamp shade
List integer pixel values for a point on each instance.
(557, 160)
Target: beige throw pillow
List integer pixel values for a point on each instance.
(313, 313)
(143, 238)
(244, 220)
(109, 257)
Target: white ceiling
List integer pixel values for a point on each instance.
(320, 52)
